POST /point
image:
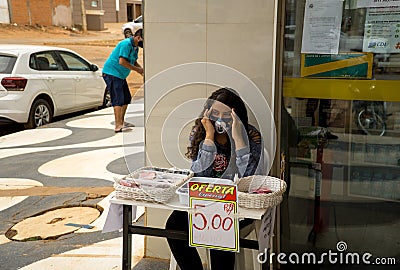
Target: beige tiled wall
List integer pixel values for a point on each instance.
(237, 35)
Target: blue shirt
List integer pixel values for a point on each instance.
(123, 49)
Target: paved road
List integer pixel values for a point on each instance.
(80, 152)
(95, 46)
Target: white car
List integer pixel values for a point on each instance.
(40, 82)
(128, 29)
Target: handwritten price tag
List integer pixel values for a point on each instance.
(213, 223)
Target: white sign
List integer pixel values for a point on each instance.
(382, 30)
(213, 222)
(321, 28)
(377, 3)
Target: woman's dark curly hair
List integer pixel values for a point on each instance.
(226, 96)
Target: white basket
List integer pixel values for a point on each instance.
(160, 192)
(246, 199)
(260, 201)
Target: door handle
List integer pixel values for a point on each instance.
(77, 79)
(50, 79)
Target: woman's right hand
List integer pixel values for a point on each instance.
(208, 126)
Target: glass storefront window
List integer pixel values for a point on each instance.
(355, 26)
(341, 129)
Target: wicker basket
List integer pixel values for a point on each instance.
(260, 201)
(160, 193)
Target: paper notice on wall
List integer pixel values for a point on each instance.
(321, 29)
(377, 3)
(382, 30)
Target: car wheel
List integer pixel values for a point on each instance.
(107, 99)
(40, 114)
(128, 33)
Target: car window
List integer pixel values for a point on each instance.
(7, 63)
(44, 61)
(139, 19)
(74, 62)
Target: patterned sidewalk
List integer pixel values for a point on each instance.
(77, 154)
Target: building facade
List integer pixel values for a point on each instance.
(67, 12)
(45, 12)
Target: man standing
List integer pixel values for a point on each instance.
(116, 69)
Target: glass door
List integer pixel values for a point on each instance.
(340, 134)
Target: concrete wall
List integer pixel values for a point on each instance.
(77, 9)
(4, 14)
(122, 15)
(109, 11)
(42, 12)
(62, 16)
(109, 6)
(236, 34)
(62, 12)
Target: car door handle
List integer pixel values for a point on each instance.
(50, 79)
(77, 79)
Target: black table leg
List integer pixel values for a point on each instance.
(129, 229)
(126, 238)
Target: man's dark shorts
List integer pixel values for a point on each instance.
(119, 90)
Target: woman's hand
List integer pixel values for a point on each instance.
(237, 131)
(208, 126)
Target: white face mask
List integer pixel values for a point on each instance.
(221, 115)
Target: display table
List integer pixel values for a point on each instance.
(128, 229)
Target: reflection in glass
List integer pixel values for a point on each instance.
(342, 151)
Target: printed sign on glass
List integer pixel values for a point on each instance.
(382, 30)
(321, 28)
